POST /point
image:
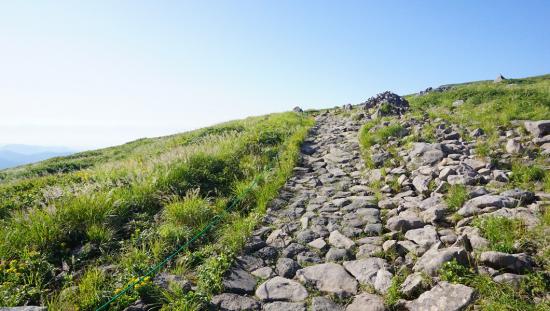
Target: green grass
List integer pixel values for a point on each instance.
(369, 138)
(489, 105)
(456, 196)
(501, 232)
(132, 205)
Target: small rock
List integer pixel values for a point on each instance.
(329, 278)
(366, 302)
(324, 304)
(383, 281)
(511, 279)
(518, 263)
(234, 302)
(279, 288)
(263, 272)
(404, 222)
(318, 243)
(434, 259)
(239, 281)
(284, 306)
(513, 146)
(365, 270)
(339, 240)
(485, 203)
(413, 284)
(286, 267)
(336, 254)
(426, 236)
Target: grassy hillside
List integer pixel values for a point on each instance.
(75, 230)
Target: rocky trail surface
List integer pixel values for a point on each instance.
(328, 243)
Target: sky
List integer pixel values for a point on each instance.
(88, 74)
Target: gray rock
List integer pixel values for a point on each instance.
(365, 270)
(279, 239)
(499, 79)
(421, 182)
(382, 282)
(373, 229)
(324, 304)
(517, 263)
(297, 109)
(433, 259)
(239, 281)
(234, 302)
(538, 128)
(336, 254)
(329, 278)
(263, 272)
(284, 306)
(306, 236)
(339, 240)
(366, 302)
(458, 103)
(368, 250)
(293, 249)
(523, 196)
(511, 279)
(166, 281)
(513, 146)
(413, 284)
(318, 243)
(404, 222)
(279, 288)
(287, 267)
(444, 296)
(426, 236)
(486, 203)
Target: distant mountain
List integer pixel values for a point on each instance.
(16, 154)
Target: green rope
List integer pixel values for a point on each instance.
(214, 221)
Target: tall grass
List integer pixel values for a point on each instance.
(110, 207)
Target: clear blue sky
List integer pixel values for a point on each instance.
(97, 73)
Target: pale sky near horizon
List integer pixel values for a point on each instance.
(88, 74)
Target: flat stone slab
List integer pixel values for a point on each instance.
(329, 278)
(279, 288)
(444, 296)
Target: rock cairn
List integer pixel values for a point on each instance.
(386, 103)
(327, 243)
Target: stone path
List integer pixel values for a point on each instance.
(317, 236)
(327, 243)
